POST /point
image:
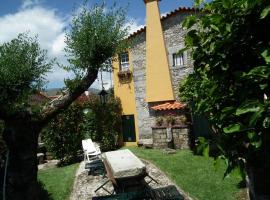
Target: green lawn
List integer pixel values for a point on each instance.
(58, 181)
(196, 175)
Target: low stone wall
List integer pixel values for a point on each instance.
(180, 137)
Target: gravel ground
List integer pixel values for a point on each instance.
(85, 185)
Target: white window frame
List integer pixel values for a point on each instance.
(124, 61)
(178, 59)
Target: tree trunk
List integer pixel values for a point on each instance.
(260, 183)
(21, 137)
(250, 184)
(258, 171)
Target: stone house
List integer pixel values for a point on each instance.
(147, 77)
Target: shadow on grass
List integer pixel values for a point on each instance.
(43, 193)
(69, 161)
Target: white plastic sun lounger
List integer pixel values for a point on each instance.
(91, 150)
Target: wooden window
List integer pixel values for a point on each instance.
(178, 59)
(124, 62)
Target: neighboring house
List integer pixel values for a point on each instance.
(147, 77)
(38, 99)
(84, 97)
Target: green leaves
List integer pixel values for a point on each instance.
(233, 128)
(265, 12)
(266, 55)
(227, 4)
(202, 147)
(214, 27)
(96, 34)
(190, 21)
(23, 65)
(255, 139)
(198, 3)
(249, 106)
(266, 122)
(191, 38)
(231, 75)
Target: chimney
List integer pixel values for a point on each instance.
(158, 78)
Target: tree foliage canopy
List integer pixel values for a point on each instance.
(230, 85)
(23, 65)
(95, 35)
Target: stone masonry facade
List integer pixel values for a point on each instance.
(180, 138)
(174, 40)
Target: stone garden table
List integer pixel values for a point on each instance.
(125, 170)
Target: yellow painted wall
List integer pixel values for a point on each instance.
(158, 78)
(125, 91)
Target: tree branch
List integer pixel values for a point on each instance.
(56, 106)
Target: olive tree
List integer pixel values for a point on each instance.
(94, 36)
(230, 84)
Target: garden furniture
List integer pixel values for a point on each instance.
(125, 170)
(91, 150)
(165, 193)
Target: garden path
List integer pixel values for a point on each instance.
(85, 185)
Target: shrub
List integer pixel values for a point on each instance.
(105, 122)
(64, 134)
(91, 119)
(230, 83)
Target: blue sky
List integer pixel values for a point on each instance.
(48, 19)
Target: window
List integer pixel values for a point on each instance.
(124, 62)
(178, 59)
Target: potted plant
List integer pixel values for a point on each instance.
(124, 74)
(159, 121)
(183, 119)
(170, 120)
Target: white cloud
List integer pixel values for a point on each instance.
(29, 3)
(164, 14)
(58, 44)
(133, 25)
(47, 24)
(38, 21)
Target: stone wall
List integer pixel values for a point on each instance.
(174, 40)
(145, 119)
(174, 35)
(181, 139)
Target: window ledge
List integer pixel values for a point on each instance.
(126, 73)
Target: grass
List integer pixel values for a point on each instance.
(58, 181)
(196, 175)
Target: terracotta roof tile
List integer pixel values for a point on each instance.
(170, 106)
